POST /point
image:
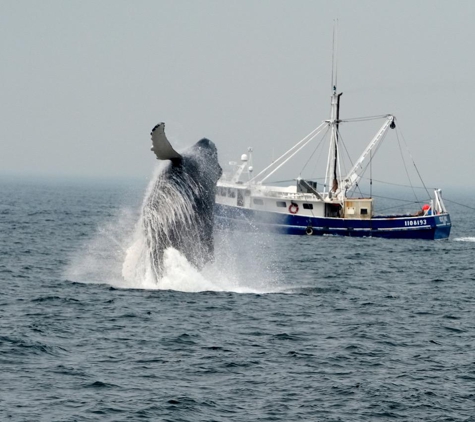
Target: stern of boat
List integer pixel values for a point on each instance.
(442, 226)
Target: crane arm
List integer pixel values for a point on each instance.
(355, 173)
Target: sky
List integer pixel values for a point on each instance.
(84, 82)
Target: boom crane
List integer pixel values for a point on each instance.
(355, 174)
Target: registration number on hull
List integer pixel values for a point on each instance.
(415, 223)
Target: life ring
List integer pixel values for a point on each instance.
(293, 208)
(309, 231)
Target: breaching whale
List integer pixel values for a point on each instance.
(179, 210)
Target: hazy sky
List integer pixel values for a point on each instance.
(83, 82)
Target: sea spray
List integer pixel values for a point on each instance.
(118, 254)
(240, 263)
(99, 258)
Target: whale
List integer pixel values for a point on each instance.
(179, 209)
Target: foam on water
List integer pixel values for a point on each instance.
(464, 239)
(119, 255)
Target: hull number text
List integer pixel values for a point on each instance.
(415, 223)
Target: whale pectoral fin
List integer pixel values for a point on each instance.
(161, 146)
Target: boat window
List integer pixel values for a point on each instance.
(281, 204)
(364, 211)
(231, 193)
(333, 210)
(257, 201)
(308, 206)
(240, 198)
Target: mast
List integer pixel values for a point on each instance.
(333, 158)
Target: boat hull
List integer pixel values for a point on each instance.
(431, 227)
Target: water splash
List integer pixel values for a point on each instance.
(119, 255)
(464, 239)
(97, 260)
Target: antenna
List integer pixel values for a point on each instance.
(333, 164)
(335, 56)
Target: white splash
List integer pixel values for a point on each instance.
(118, 255)
(464, 239)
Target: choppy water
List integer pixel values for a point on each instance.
(278, 329)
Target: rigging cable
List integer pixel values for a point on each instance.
(315, 150)
(396, 184)
(371, 158)
(413, 162)
(404, 162)
(363, 119)
(408, 201)
(457, 203)
(349, 158)
(346, 150)
(281, 181)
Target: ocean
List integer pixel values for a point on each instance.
(278, 328)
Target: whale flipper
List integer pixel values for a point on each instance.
(161, 146)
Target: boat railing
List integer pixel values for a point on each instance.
(286, 195)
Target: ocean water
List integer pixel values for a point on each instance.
(276, 329)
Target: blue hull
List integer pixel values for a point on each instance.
(397, 227)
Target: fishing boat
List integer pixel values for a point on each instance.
(335, 207)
